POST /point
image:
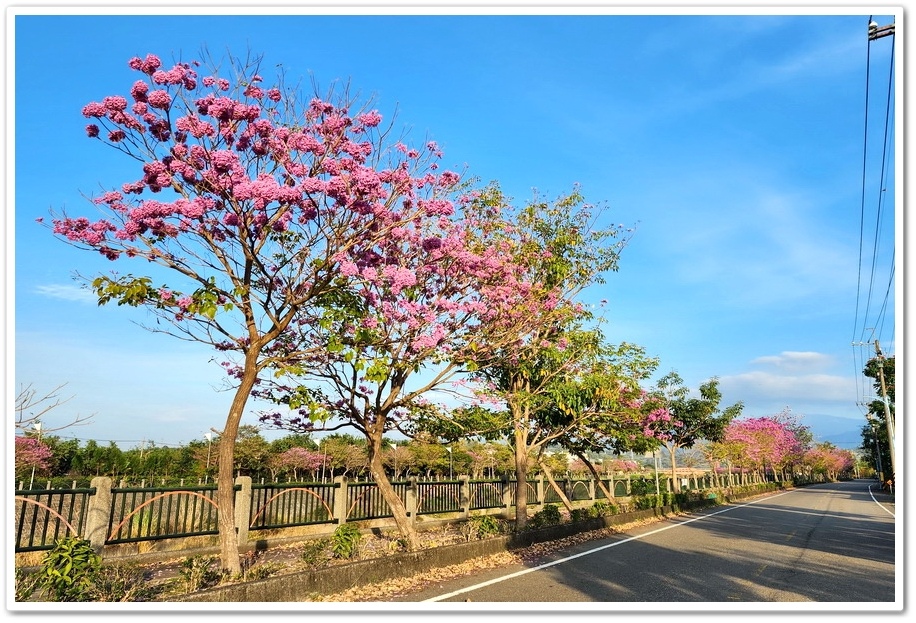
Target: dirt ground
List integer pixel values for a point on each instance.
(292, 558)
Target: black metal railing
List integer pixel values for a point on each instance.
(135, 514)
(45, 515)
(289, 505)
(153, 513)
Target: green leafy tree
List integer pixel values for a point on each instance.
(251, 451)
(293, 441)
(604, 408)
(683, 420)
(345, 454)
(564, 253)
(877, 430)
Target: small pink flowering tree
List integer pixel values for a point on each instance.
(249, 199)
(682, 420)
(763, 442)
(296, 460)
(31, 454)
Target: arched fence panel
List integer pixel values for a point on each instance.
(438, 497)
(45, 515)
(485, 494)
(152, 513)
(289, 505)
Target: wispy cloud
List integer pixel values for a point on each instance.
(785, 388)
(796, 361)
(801, 380)
(66, 292)
(750, 243)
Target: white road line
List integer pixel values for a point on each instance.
(592, 551)
(886, 510)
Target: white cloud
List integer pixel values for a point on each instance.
(796, 361)
(789, 389)
(67, 293)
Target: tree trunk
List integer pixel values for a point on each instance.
(395, 503)
(521, 478)
(675, 484)
(225, 486)
(553, 483)
(607, 494)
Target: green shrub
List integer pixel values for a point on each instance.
(601, 508)
(580, 514)
(199, 572)
(345, 541)
(481, 527)
(68, 571)
(644, 502)
(316, 553)
(641, 486)
(547, 516)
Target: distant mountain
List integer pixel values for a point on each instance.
(843, 432)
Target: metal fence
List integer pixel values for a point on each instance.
(276, 506)
(109, 515)
(46, 515)
(151, 514)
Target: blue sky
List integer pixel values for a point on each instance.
(733, 143)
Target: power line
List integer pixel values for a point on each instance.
(864, 311)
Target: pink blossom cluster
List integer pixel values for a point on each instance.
(830, 460)
(257, 174)
(30, 452)
(299, 459)
(763, 440)
(658, 424)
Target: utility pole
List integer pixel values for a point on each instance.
(887, 409)
(876, 32)
(874, 432)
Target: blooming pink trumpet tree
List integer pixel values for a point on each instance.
(298, 460)
(762, 442)
(828, 460)
(32, 454)
(420, 307)
(252, 200)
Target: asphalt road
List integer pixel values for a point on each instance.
(824, 543)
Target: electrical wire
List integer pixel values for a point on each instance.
(874, 324)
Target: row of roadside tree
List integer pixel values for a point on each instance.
(345, 280)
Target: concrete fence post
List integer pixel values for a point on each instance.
(411, 504)
(464, 496)
(98, 513)
(507, 498)
(242, 509)
(541, 491)
(340, 499)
